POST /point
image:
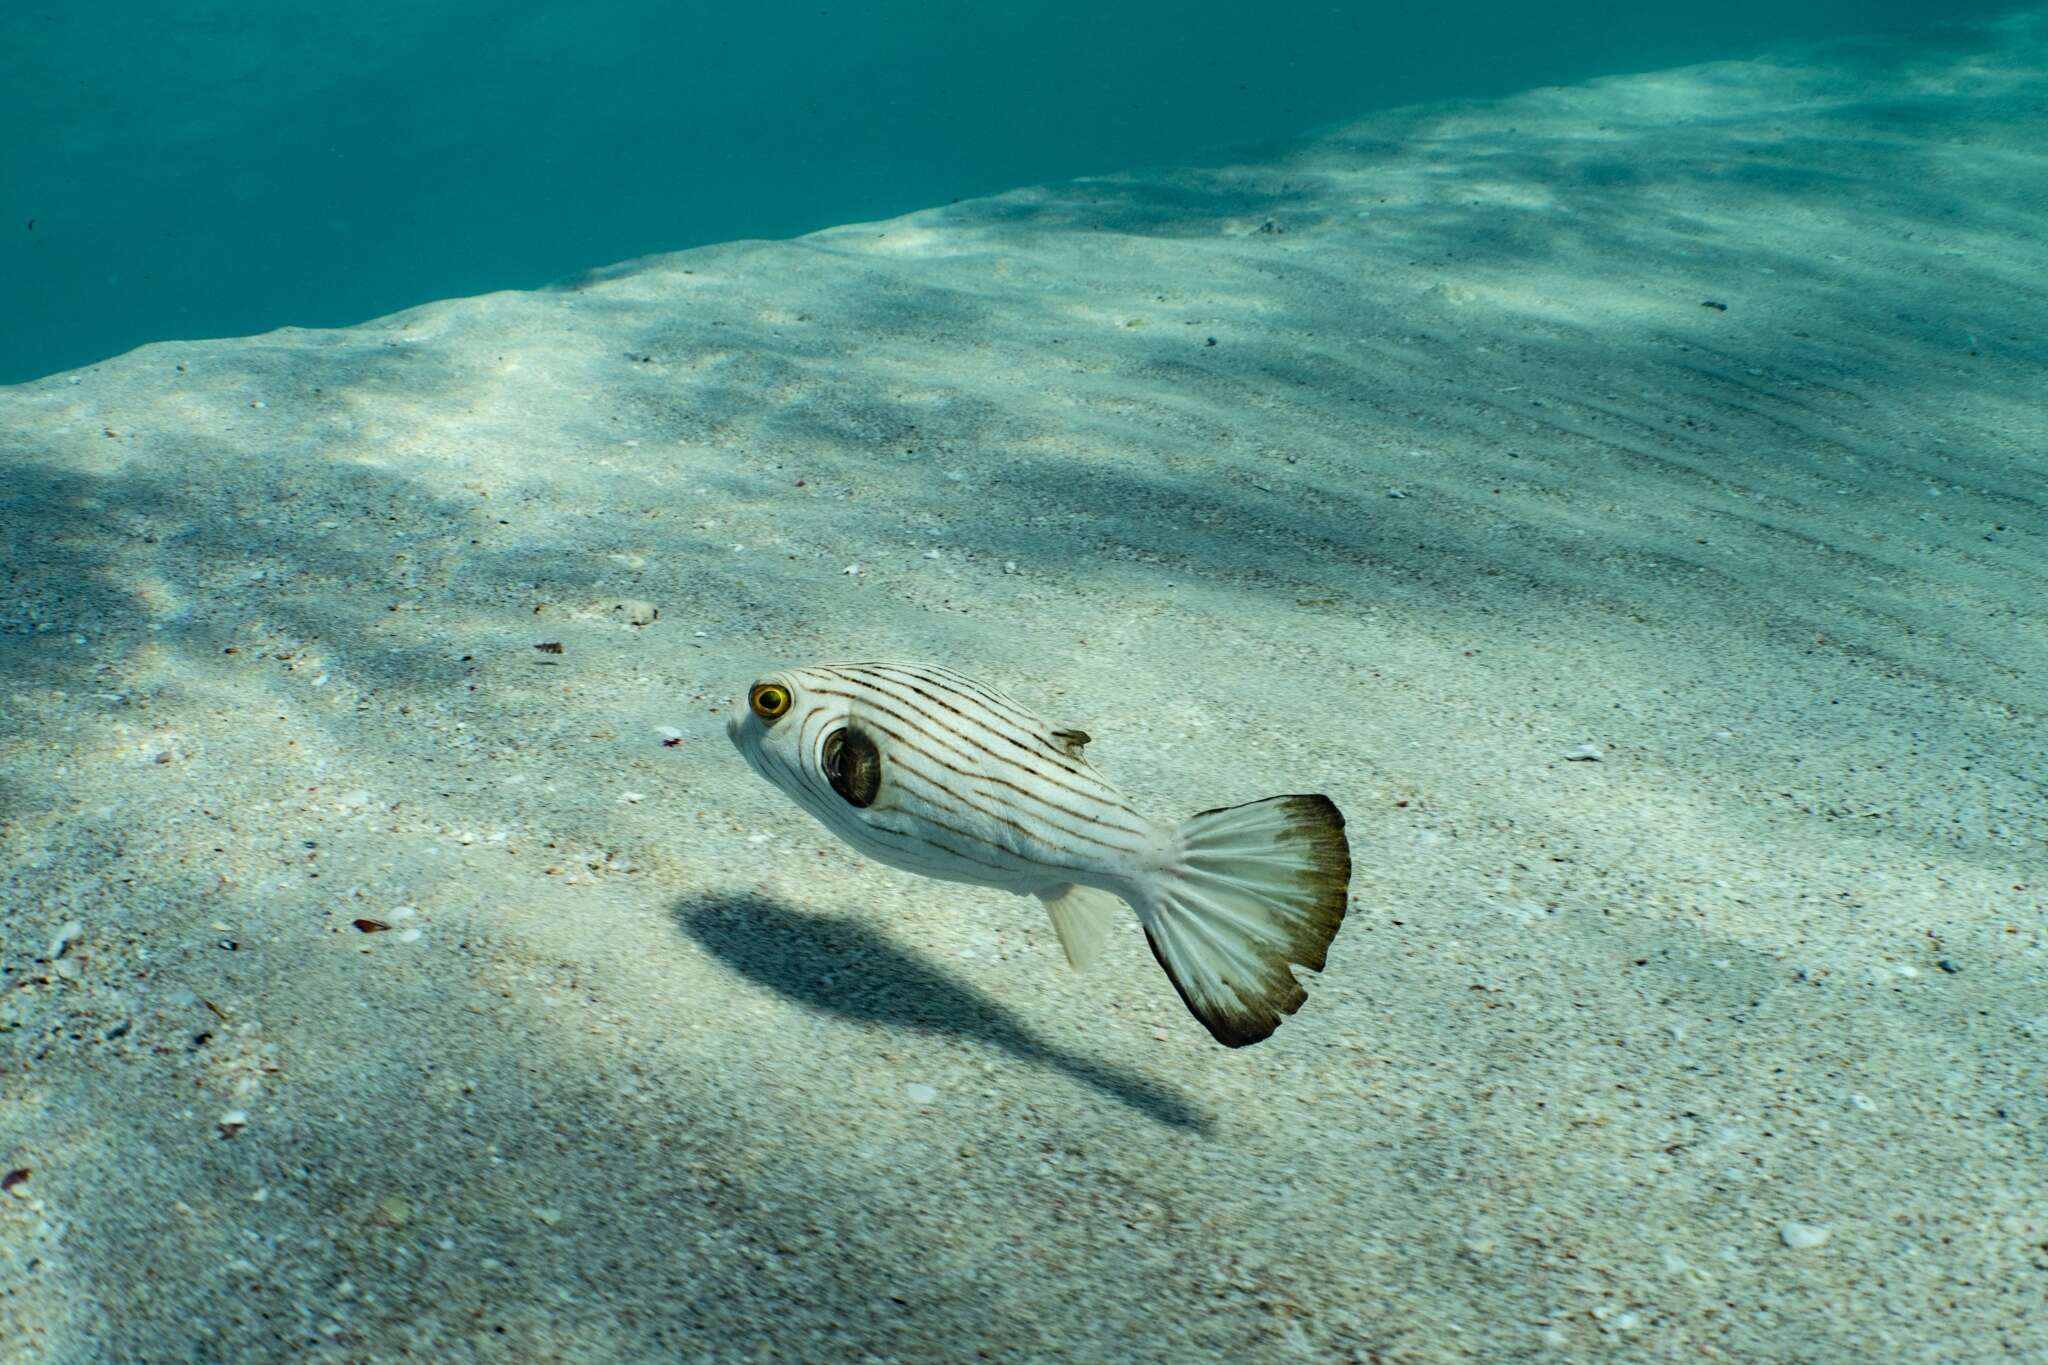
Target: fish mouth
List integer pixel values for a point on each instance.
(748, 745)
(745, 735)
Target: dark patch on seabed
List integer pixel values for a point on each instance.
(838, 966)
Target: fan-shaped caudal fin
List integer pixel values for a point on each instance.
(1260, 888)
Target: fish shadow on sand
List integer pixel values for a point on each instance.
(841, 967)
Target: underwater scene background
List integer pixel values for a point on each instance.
(1604, 456)
(215, 168)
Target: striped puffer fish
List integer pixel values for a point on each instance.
(923, 769)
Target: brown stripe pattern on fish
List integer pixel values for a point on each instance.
(926, 770)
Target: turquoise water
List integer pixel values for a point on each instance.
(217, 169)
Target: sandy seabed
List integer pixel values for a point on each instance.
(1625, 500)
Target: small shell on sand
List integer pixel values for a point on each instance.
(1802, 1236)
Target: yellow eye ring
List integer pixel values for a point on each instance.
(769, 701)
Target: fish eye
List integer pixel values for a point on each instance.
(770, 701)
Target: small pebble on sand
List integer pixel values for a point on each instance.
(1585, 753)
(1802, 1236)
(920, 1093)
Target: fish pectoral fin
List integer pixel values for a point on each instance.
(1071, 742)
(1080, 916)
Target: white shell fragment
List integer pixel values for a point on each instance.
(1802, 1236)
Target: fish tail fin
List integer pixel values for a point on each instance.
(1254, 889)
(1081, 917)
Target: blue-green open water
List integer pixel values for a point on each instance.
(217, 169)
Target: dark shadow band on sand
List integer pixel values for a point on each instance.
(841, 967)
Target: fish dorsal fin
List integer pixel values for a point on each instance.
(1080, 916)
(1071, 742)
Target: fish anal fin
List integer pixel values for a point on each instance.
(1081, 916)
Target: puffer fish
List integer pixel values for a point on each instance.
(926, 770)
